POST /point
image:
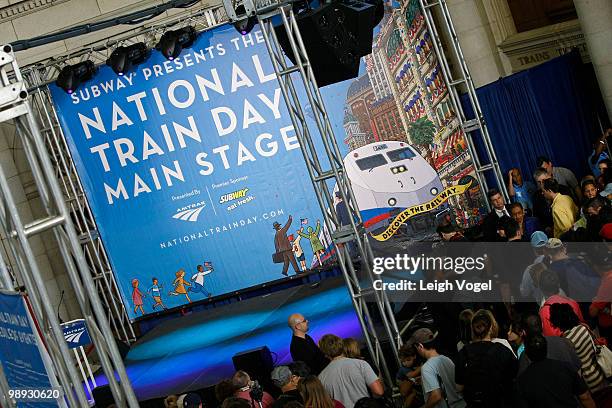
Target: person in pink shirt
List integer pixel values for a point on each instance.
(244, 387)
(137, 296)
(549, 285)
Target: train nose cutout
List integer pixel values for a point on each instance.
(398, 169)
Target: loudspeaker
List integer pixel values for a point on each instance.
(102, 396)
(256, 362)
(358, 18)
(332, 49)
(335, 36)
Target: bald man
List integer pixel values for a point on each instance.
(303, 348)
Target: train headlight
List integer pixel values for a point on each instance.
(433, 191)
(394, 170)
(392, 201)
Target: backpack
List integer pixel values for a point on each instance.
(482, 381)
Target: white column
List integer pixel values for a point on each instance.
(473, 28)
(595, 18)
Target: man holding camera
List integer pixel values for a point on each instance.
(251, 391)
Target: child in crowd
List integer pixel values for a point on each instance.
(516, 335)
(409, 376)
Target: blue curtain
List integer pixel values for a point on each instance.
(543, 111)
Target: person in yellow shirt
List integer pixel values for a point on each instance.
(564, 211)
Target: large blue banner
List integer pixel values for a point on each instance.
(19, 354)
(194, 173)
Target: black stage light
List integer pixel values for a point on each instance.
(71, 76)
(336, 34)
(172, 42)
(245, 25)
(123, 58)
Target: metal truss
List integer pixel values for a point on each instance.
(472, 127)
(37, 76)
(84, 222)
(326, 173)
(15, 106)
(99, 51)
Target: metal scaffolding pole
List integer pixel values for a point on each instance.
(37, 77)
(14, 105)
(323, 174)
(83, 217)
(471, 127)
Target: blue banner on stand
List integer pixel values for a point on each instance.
(76, 334)
(19, 353)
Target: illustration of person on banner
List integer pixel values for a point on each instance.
(298, 251)
(284, 249)
(155, 291)
(198, 279)
(137, 297)
(179, 285)
(315, 242)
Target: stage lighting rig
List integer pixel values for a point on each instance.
(172, 42)
(246, 24)
(71, 76)
(123, 58)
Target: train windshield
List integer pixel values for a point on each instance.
(401, 154)
(371, 162)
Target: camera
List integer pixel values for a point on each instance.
(256, 391)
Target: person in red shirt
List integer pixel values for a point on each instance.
(549, 285)
(602, 306)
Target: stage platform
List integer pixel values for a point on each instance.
(195, 351)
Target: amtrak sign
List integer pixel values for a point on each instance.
(76, 334)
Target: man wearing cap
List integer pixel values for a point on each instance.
(437, 374)
(189, 400)
(284, 247)
(287, 381)
(576, 278)
(530, 284)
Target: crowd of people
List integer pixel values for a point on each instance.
(330, 374)
(543, 344)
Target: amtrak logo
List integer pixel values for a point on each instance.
(74, 337)
(190, 212)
